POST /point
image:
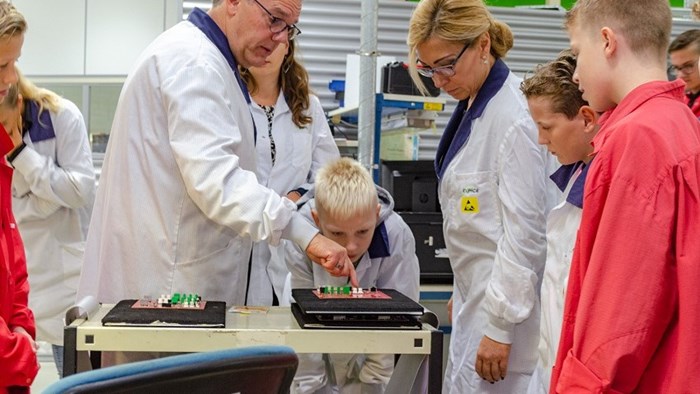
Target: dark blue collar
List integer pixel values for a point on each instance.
(379, 247)
(562, 176)
(459, 127)
(38, 125)
(207, 25)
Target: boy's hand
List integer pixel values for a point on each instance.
(294, 195)
(22, 331)
(332, 257)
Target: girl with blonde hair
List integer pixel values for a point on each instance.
(18, 361)
(53, 190)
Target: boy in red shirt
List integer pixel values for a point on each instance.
(632, 308)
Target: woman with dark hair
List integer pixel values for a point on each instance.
(293, 142)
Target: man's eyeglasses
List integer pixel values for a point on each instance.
(277, 25)
(445, 71)
(685, 69)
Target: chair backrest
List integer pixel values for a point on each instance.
(255, 370)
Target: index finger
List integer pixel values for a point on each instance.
(349, 271)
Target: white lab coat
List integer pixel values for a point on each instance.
(562, 226)
(300, 153)
(497, 251)
(53, 189)
(178, 205)
(357, 373)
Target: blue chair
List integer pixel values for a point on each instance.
(254, 370)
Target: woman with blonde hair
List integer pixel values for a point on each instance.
(18, 361)
(53, 189)
(293, 143)
(492, 176)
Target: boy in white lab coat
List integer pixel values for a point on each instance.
(351, 210)
(566, 126)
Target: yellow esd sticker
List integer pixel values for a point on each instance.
(469, 204)
(433, 106)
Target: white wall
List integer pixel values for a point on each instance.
(91, 38)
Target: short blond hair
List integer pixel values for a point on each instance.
(344, 189)
(645, 24)
(555, 81)
(458, 21)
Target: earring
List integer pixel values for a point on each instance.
(484, 60)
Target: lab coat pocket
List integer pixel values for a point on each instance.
(72, 261)
(220, 274)
(473, 203)
(301, 157)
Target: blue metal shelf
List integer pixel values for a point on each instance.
(385, 100)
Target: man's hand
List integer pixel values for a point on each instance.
(492, 359)
(332, 257)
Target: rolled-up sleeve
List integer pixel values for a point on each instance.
(512, 292)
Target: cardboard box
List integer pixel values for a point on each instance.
(403, 143)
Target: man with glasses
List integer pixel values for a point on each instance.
(178, 204)
(684, 52)
(278, 25)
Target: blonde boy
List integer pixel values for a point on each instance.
(632, 306)
(349, 209)
(566, 126)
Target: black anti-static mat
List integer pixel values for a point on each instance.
(399, 304)
(213, 315)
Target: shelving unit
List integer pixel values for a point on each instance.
(410, 102)
(387, 100)
(383, 102)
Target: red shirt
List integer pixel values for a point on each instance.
(18, 362)
(632, 309)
